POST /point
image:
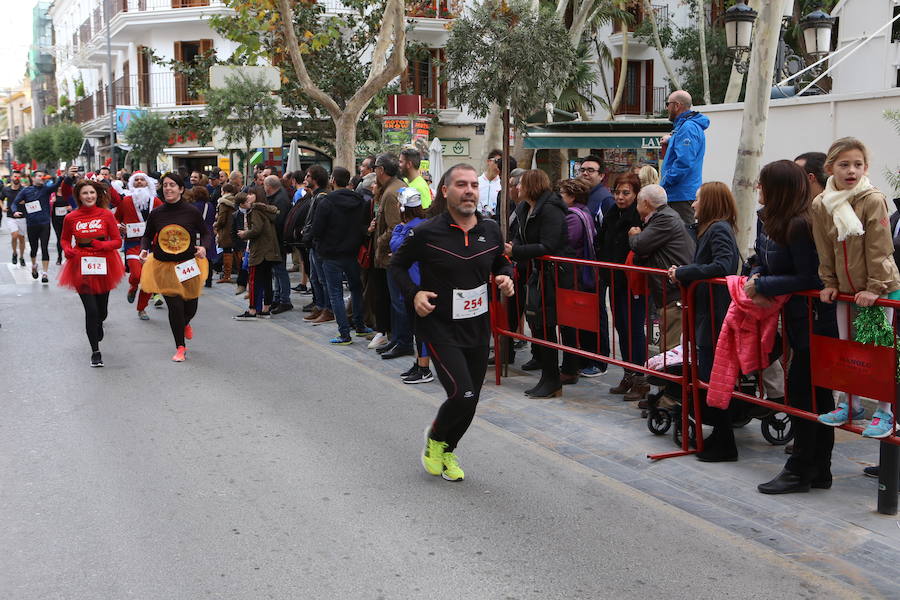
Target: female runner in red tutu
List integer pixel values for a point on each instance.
(93, 267)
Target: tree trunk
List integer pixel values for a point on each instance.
(493, 131)
(602, 51)
(345, 140)
(651, 15)
(755, 119)
(704, 60)
(736, 81)
(623, 74)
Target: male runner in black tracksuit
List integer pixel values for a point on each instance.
(457, 251)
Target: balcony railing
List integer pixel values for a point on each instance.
(151, 90)
(642, 100)
(434, 9)
(637, 12)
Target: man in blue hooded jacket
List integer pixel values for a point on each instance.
(682, 170)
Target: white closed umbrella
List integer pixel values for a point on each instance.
(436, 163)
(293, 162)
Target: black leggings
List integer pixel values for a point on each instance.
(181, 312)
(39, 233)
(461, 372)
(57, 228)
(95, 311)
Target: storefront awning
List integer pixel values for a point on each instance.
(644, 134)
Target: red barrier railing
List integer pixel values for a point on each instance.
(847, 366)
(577, 307)
(856, 369)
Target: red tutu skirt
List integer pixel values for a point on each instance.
(70, 276)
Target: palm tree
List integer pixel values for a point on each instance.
(578, 96)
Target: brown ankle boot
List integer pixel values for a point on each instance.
(639, 388)
(624, 385)
(227, 263)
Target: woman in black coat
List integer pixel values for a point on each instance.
(629, 311)
(716, 256)
(787, 262)
(542, 231)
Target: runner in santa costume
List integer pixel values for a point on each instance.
(175, 265)
(93, 267)
(132, 214)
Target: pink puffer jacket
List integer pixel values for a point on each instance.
(745, 341)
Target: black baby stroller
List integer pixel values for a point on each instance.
(664, 407)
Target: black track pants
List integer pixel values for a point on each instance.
(461, 372)
(95, 311)
(181, 312)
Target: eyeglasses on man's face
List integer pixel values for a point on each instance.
(588, 170)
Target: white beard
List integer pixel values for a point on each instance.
(141, 198)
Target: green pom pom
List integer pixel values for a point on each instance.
(872, 327)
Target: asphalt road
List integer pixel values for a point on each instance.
(271, 466)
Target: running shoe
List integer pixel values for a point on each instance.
(15, 259)
(188, 332)
(239, 290)
(34, 273)
(379, 340)
(421, 375)
(840, 416)
(364, 332)
(264, 314)
(44, 278)
(451, 471)
(179, 354)
(881, 426)
(245, 316)
(871, 471)
(433, 456)
(143, 316)
(340, 341)
(591, 371)
(96, 359)
(131, 296)
(158, 301)
(410, 371)
(21, 261)
(59, 260)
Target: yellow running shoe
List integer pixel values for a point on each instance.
(452, 472)
(433, 456)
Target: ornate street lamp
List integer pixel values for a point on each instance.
(787, 13)
(739, 21)
(816, 27)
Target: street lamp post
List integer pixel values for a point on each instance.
(816, 27)
(110, 98)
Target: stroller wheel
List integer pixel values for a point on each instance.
(659, 421)
(777, 428)
(692, 432)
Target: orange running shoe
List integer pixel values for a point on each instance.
(188, 332)
(179, 354)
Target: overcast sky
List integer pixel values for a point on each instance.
(15, 38)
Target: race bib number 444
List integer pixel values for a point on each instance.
(470, 303)
(187, 270)
(93, 265)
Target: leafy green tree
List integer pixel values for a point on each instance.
(22, 148)
(148, 134)
(242, 110)
(523, 58)
(67, 140)
(42, 149)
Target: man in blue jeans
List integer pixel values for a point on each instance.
(339, 228)
(278, 196)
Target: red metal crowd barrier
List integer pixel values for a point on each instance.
(842, 365)
(578, 308)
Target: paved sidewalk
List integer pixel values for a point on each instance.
(836, 530)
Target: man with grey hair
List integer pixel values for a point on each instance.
(682, 169)
(662, 242)
(277, 196)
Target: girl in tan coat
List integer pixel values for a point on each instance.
(855, 246)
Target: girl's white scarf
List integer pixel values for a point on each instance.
(837, 203)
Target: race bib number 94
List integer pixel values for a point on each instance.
(93, 265)
(470, 303)
(187, 270)
(133, 230)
